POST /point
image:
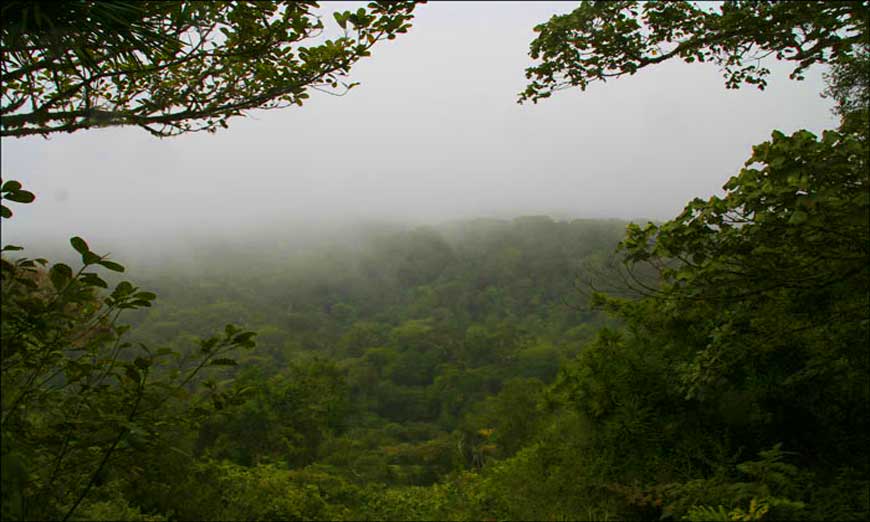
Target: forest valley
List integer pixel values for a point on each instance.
(711, 367)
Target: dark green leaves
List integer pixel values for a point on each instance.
(602, 40)
(76, 394)
(111, 265)
(233, 337)
(79, 245)
(88, 257)
(789, 230)
(245, 339)
(60, 275)
(92, 279)
(341, 18)
(206, 346)
(11, 191)
(123, 288)
(231, 329)
(10, 186)
(20, 196)
(132, 373)
(128, 58)
(797, 217)
(224, 362)
(146, 296)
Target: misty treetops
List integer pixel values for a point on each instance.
(714, 366)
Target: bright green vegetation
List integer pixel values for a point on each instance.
(472, 371)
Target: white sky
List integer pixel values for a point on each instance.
(434, 133)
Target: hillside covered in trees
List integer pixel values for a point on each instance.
(714, 366)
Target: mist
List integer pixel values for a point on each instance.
(432, 134)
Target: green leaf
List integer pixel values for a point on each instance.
(146, 296)
(80, 245)
(123, 288)
(29, 283)
(341, 19)
(20, 196)
(92, 279)
(5, 212)
(244, 337)
(224, 362)
(11, 248)
(132, 373)
(60, 274)
(111, 265)
(180, 452)
(231, 330)
(11, 186)
(206, 345)
(90, 258)
(797, 217)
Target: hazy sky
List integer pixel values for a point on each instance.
(434, 133)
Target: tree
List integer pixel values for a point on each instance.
(77, 398)
(78, 402)
(849, 86)
(849, 83)
(285, 418)
(754, 336)
(173, 67)
(774, 279)
(601, 40)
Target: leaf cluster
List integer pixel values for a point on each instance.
(12, 191)
(173, 67)
(603, 40)
(76, 396)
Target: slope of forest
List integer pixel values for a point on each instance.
(715, 366)
(416, 328)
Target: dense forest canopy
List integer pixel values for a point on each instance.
(714, 366)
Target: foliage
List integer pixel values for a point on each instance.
(12, 191)
(76, 397)
(173, 67)
(754, 337)
(777, 271)
(849, 87)
(763, 496)
(79, 402)
(441, 373)
(284, 419)
(754, 333)
(849, 83)
(601, 40)
(225, 491)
